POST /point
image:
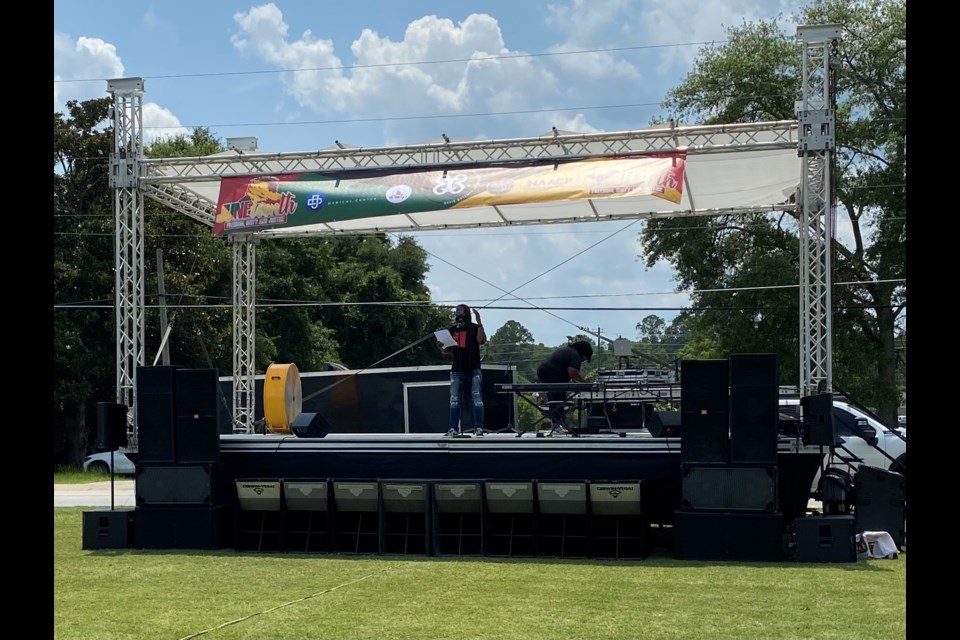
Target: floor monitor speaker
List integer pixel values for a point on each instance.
(310, 425)
(664, 424)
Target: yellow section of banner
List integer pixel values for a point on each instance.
(660, 176)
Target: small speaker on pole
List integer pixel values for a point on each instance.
(817, 418)
(111, 426)
(310, 425)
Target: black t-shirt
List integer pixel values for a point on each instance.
(559, 360)
(466, 355)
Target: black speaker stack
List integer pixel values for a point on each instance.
(729, 471)
(182, 497)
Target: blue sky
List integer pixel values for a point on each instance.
(393, 73)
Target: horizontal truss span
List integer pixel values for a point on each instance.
(692, 140)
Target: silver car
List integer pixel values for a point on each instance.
(100, 463)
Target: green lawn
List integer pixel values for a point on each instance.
(108, 594)
(76, 475)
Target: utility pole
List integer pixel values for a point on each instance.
(161, 290)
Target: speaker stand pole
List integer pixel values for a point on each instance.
(111, 479)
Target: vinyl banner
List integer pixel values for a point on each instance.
(251, 203)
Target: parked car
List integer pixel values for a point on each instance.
(864, 439)
(100, 463)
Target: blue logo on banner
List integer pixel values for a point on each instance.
(316, 201)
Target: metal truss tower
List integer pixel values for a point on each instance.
(128, 238)
(244, 331)
(816, 116)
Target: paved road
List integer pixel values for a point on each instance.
(94, 494)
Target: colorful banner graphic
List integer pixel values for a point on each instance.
(252, 203)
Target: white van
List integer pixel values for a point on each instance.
(864, 439)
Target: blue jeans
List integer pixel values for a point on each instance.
(475, 398)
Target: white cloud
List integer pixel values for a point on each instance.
(85, 58)
(159, 122)
(81, 59)
(381, 81)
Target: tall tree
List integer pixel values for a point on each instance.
(755, 76)
(82, 276)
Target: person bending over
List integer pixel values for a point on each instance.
(563, 365)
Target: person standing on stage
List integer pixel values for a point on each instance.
(563, 365)
(465, 366)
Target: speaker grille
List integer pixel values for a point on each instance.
(730, 488)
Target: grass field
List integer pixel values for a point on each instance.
(216, 595)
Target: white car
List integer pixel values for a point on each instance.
(100, 462)
(864, 439)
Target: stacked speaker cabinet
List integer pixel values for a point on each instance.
(729, 471)
(197, 432)
(754, 400)
(182, 493)
(156, 414)
(704, 412)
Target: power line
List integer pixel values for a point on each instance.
(412, 63)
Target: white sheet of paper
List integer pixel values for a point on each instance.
(444, 338)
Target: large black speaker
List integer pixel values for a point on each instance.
(880, 502)
(156, 414)
(197, 424)
(716, 535)
(199, 485)
(754, 400)
(730, 488)
(111, 426)
(704, 412)
(704, 386)
(754, 370)
(753, 424)
(182, 528)
(826, 539)
(705, 439)
(310, 425)
(818, 426)
(664, 424)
